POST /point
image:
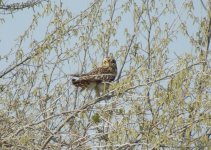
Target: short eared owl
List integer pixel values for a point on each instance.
(98, 78)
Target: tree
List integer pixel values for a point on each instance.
(159, 99)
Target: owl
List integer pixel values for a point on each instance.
(99, 78)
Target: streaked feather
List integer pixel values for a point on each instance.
(94, 78)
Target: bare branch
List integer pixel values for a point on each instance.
(20, 6)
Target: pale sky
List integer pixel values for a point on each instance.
(16, 24)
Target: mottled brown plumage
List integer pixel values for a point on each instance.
(97, 77)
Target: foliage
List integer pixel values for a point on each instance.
(158, 100)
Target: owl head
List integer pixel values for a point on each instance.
(109, 61)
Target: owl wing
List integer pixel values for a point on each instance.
(92, 73)
(98, 75)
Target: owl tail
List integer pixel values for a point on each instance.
(74, 82)
(79, 83)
